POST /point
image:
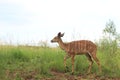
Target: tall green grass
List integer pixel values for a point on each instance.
(109, 53)
(21, 62)
(18, 61)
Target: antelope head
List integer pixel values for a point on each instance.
(57, 38)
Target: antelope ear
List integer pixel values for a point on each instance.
(62, 35)
(59, 34)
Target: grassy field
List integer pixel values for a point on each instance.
(37, 63)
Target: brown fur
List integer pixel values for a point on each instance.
(76, 48)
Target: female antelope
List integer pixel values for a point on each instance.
(76, 48)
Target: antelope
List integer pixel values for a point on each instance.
(79, 47)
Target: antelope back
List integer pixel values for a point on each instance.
(82, 46)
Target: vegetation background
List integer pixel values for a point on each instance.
(23, 62)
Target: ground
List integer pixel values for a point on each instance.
(55, 75)
(68, 76)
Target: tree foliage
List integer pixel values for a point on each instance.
(110, 28)
(110, 31)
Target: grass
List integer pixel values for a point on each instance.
(25, 62)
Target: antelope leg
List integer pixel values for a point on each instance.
(65, 58)
(72, 64)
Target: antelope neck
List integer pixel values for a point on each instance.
(61, 44)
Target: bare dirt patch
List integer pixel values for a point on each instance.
(68, 76)
(22, 75)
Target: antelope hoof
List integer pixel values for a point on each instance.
(72, 73)
(67, 69)
(88, 73)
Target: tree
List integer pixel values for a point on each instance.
(111, 38)
(110, 30)
(108, 47)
